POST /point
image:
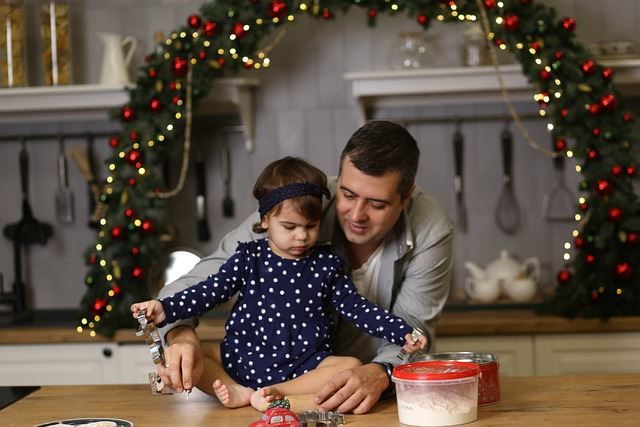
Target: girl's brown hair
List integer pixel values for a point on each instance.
(285, 171)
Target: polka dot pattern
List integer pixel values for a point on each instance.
(281, 326)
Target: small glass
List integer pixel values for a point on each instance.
(411, 51)
(55, 34)
(13, 68)
(475, 49)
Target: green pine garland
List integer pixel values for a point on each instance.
(601, 280)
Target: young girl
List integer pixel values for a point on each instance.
(279, 335)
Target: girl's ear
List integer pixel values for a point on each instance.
(264, 223)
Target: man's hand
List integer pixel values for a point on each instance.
(354, 390)
(183, 359)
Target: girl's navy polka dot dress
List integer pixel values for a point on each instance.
(280, 326)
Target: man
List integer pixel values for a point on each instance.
(396, 240)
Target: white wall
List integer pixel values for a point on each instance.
(304, 108)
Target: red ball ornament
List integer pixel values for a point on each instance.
(604, 187)
(137, 272)
(632, 238)
(423, 19)
(578, 242)
(155, 105)
(134, 136)
(584, 207)
(176, 100)
(98, 306)
(278, 9)
(194, 21)
(623, 271)
(608, 102)
(595, 295)
(535, 45)
(617, 170)
(595, 131)
(627, 116)
(614, 214)
(173, 85)
(569, 24)
(592, 154)
(92, 259)
(607, 73)
(544, 75)
(248, 64)
(210, 28)
(498, 42)
(132, 182)
(117, 290)
(152, 73)
(560, 144)
(222, 61)
(489, 4)
(558, 54)
(326, 14)
(588, 67)
(372, 13)
(563, 277)
(134, 156)
(135, 250)
(127, 113)
(202, 55)
(114, 142)
(128, 213)
(594, 109)
(147, 226)
(590, 259)
(564, 112)
(238, 29)
(117, 232)
(179, 66)
(511, 22)
(631, 170)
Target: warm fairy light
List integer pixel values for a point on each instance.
(183, 34)
(454, 13)
(142, 171)
(235, 56)
(266, 62)
(109, 190)
(206, 43)
(193, 61)
(92, 333)
(96, 318)
(151, 143)
(578, 217)
(461, 17)
(557, 95)
(261, 55)
(503, 46)
(195, 35)
(578, 168)
(557, 82)
(98, 247)
(569, 153)
(109, 277)
(103, 222)
(169, 127)
(582, 200)
(256, 65)
(173, 36)
(575, 233)
(491, 35)
(136, 145)
(303, 7)
(500, 4)
(549, 126)
(111, 293)
(103, 263)
(160, 137)
(83, 321)
(112, 166)
(167, 55)
(121, 154)
(532, 51)
(275, 20)
(542, 113)
(220, 51)
(233, 51)
(519, 45)
(110, 179)
(137, 223)
(178, 85)
(454, 6)
(394, 7)
(499, 20)
(567, 245)
(440, 18)
(91, 325)
(566, 256)
(245, 58)
(109, 307)
(538, 61)
(619, 291)
(178, 115)
(290, 18)
(79, 329)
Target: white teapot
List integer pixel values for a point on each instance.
(517, 280)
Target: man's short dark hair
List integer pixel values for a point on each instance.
(381, 146)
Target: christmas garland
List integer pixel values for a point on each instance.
(574, 92)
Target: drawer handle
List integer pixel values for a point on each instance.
(107, 352)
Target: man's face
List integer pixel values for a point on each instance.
(367, 206)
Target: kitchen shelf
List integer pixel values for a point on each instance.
(461, 85)
(93, 102)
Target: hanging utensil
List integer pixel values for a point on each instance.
(64, 195)
(81, 160)
(93, 190)
(458, 157)
(558, 204)
(227, 202)
(203, 233)
(507, 210)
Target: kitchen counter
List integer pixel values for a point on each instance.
(452, 323)
(585, 400)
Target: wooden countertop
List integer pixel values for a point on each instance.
(452, 323)
(585, 400)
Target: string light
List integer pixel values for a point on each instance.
(99, 247)
(578, 217)
(567, 245)
(142, 171)
(566, 256)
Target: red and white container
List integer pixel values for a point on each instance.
(489, 383)
(437, 392)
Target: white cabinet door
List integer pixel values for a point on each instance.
(515, 353)
(58, 364)
(135, 363)
(587, 353)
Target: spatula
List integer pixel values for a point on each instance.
(227, 202)
(64, 196)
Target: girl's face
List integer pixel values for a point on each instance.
(291, 234)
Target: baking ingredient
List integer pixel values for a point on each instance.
(56, 42)
(12, 44)
(440, 406)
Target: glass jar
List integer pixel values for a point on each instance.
(410, 51)
(475, 51)
(55, 35)
(13, 68)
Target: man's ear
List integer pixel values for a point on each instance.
(407, 200)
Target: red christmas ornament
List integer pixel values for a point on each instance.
(137, 272)
(117, 290)
(592, 154)
(604, 187)
(179, 66)
(423, 19)
(609, 102)
(489, 4)
(127, 113)
(152, 73)
(202, 55)
(617, 170)
(564, 112)
(563, 276)
(222, 61)
(117, 232)
(194, 21)
(128, 213)
(588, 67)
(558, 55)
(614, 214)
(623, 271)
(578, 242)
(155, 105)
(595, 295)
(278, 9)
(569, 24)
(134, 156)
(98, 306)
(627, 116)
(134, 136)
(114, 142)
(372, 13)
(210, 28)
(92, 259)
(595, 131)
(544, 75)
(498, 42)
(147, 226)
(631, 170)
(135, 250)
(560, 144)
(511, 22)
(326, 14)
(132, 182)
(590, 259)
(176, 100)
(535, 45)
(594, 109)
(607, 73)
(584, 207)
(238, 29)
(632, 238)
(248, 65)
(173, 85)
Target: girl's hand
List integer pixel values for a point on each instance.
(412, 346)
(155, 312)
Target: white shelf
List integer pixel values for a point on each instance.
(93, 102)
(440, 86)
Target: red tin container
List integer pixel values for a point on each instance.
(489, 384)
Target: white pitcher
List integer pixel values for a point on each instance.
(116, 58)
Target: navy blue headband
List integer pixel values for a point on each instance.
(289, 191)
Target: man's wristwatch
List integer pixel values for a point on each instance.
(388, 369)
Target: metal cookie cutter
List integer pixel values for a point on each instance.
(415, 335)
(321, 418)
(153, 340)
